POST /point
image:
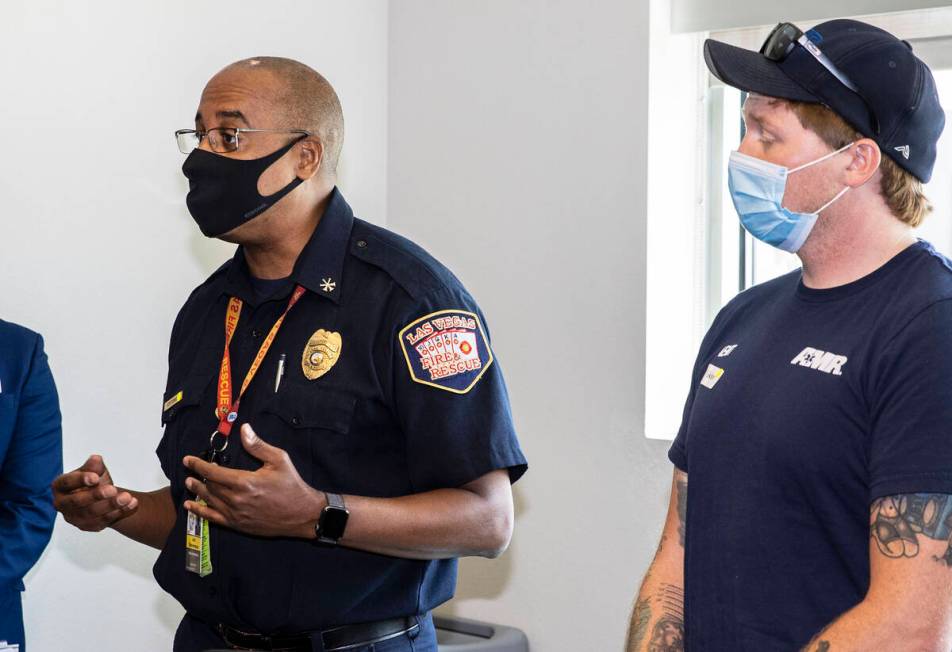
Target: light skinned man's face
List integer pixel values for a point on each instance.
(774, 134)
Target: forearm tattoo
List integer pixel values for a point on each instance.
(667, 635)
(640, 619)
(898, 522)
(682, 488)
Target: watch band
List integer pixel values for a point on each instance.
(335, 505)
(334, 500)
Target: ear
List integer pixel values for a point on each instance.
(864, 164)
(311, 157)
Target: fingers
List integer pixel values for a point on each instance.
(83, 498)
(123, 502)
(218, 474)
(201, 490)
(95, 464)
(259, 448)
(74, 480)
(88, 475)
(87, 511)
(206, 512)
(87, 498)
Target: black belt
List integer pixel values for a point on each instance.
(336, 638)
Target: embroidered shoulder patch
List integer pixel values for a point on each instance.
(446, 349)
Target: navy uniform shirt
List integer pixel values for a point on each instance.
(806, 405)
(415, 401)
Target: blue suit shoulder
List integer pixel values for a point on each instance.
(409, 265)
(18, 343)
(16, 336)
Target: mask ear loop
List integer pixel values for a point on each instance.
(822, 158)
(827, 204)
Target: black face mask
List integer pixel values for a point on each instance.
(223, 192)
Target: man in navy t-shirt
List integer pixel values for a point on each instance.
(817, 434)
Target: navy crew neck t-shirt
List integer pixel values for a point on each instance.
(805, 406)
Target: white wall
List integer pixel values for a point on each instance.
(704, 15)
(98, 251)
(518, 154)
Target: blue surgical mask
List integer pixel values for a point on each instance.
(757, 188)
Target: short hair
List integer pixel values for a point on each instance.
(306, 101)
(902, 191)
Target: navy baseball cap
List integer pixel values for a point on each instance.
(865, 74)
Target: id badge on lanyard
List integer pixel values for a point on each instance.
(198, 555)
(198, 551)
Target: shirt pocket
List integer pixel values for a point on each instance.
(313, 424)
(189, 420)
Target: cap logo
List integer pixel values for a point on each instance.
(904, 150)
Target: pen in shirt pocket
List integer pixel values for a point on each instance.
(280, 374)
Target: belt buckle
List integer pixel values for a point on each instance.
(223, 631)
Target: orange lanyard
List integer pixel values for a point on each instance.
(227, 411)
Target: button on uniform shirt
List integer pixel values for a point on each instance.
(414, 401)
(805, 406)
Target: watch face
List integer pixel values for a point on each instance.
(333, 522)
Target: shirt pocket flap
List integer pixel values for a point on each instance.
(308, 407)
(183, 395)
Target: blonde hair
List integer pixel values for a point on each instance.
(903, 192)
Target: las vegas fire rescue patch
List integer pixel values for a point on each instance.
(446, 349)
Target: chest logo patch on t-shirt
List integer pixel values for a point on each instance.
(727, 350)
(711, 376)
(828, 363)
(446, 349)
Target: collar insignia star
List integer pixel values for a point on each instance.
(328, 285)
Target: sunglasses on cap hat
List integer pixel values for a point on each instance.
(787, 36)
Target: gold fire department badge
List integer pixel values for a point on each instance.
(321, 353)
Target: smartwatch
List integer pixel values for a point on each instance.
(333, 521)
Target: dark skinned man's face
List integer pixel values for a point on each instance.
(243, 98)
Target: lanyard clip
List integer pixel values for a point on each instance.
(211, 443)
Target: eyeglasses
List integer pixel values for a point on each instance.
(223, 140)
(786, 36)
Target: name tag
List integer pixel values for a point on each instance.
(712, 375)
(172, 402)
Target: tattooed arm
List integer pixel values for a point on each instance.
(909, 602)
(657, 621)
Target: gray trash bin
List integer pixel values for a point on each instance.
(463, 635)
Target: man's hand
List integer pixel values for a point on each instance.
(88, 499)
(272, 501)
